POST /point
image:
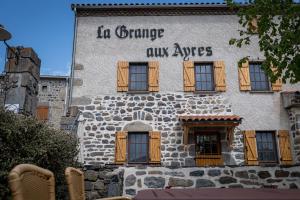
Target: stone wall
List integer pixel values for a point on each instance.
(52, 93)
(2, 90)
(143, 177)
(103, 182)
(295, 133)
(104, 115)
(22, 74)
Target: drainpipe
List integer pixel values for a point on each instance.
(73, 60)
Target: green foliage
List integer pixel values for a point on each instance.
(278, 33)
(25, 140)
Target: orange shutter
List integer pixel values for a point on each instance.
(122, 76)
(153, 76)
(154, 147)
(42, 113)
(220, 78)
(244, 77)
(185, 135)
(252, 25)
(277, 85)
(120, 147)
(189, 76)
(285, 147)
(250, 148)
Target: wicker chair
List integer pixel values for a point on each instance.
(28, 181)
(75, 181)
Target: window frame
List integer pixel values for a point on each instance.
(209, 133)
(268, 83)
(129, 77)
(212, 76)
(147, 146)
(275, 148)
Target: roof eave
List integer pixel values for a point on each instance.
(76, 7)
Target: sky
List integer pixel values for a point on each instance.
(47, 27)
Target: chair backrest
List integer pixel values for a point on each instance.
(28, 181)
(75, 181)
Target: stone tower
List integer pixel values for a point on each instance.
(22, 74)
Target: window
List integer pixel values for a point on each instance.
(44, 88)
(207, 144)
(208, 149)
(204, 77)
(266, 146)
(258, 78)
(138, 77)
(138, 147)
(261, 147)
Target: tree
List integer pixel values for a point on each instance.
(25, 140)
(276, 23)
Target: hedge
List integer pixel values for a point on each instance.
(26, 140)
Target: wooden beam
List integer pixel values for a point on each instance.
(185, 135)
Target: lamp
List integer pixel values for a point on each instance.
(5, 35)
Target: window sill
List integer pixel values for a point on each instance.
(141, 164)
(261, 92)
(138, 92)
(205, 92)
(273, 164)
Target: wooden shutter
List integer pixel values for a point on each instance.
(244, 77)
(220, 78)
(250, 148)
(122, 76)
(120, 147)
(252, 25)
(189, 76)
(277, 85)
(285, 147)
(154, 147)
(185, 135)
(153, 76)
(42, 113)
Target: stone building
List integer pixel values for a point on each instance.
(52, 99)
(162, 98)
(23, 90)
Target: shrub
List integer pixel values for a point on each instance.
(25, 140)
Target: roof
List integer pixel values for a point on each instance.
(209, 118)
(53, 77)
(152, 9)
(180, 4)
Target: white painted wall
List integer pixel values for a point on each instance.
(261, 111)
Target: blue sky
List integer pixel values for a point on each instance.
(47, 27)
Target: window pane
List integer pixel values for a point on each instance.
(207, 144)
(138, 77)
(266, 146)
(138, 147)
(204, 77)
(258, 78)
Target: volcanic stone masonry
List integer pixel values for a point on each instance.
(143, 177)
(102, 116)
